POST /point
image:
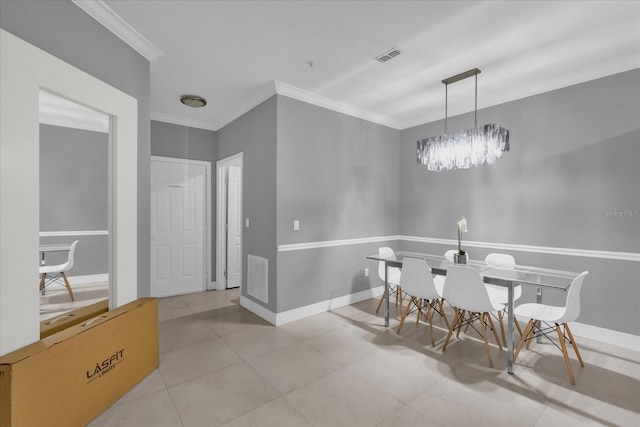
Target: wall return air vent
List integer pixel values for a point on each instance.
(384, 57)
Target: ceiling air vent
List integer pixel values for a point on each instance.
(384, 57)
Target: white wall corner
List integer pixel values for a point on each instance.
(258, 309)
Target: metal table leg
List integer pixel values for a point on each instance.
(386, 294)
(510, 319)
(539, 301)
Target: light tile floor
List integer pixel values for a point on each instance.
(56, 299)
(220, 365)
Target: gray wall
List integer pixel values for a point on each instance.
(183, 142)
(62, 29)
(254, 134)
(338, 175)
(574, 160)
(73, 193)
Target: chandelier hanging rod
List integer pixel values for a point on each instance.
(461, 76)
(457, 78)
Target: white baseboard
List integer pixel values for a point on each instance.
(278, 319)
(606, 336)
(321, 307)
(258, 310)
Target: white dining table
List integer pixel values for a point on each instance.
(507, 277)
(54, 247)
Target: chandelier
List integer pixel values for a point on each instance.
(466, 148)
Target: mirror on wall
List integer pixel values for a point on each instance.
(74, 206)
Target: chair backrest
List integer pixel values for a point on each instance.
(504, 261)
(449, 254)
(465, 289)
(573, 299)
(67, 265)
(394, 273)
(416, 279)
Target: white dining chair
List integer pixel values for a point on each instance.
(500, 294)
(464, 290)
(417, 283)
(393, 276)
(449, 256)
(57, 273)
(560, 317)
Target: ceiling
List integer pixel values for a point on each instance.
(236, 54)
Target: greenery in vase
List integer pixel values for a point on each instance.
(462, 228)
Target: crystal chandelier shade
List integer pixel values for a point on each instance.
(463, 149)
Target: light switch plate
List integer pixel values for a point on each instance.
(296, 225)
(246, 222)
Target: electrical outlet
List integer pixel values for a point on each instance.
(296, 225)
(366, 272)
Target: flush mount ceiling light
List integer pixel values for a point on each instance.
(467, 148)
(193, 101)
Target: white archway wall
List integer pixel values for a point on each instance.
(25, 70)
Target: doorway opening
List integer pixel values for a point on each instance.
(229, 222)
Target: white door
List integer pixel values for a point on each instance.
(177, 228)
(234, 227)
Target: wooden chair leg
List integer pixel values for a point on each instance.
(42, 280)
(531, 334)
(380, 303)
(466, 328)
(460, 321)
(420, 312)
(523, 338)
(483, 328)
(430, 318)
(444, 315)
(399, 295)
(406, 313)
(66, 283)
(517, 327)
(500, 319)
(567, 362)
(573, 343)
(456, 318)
(493, 328)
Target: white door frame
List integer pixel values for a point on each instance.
(207, 206)
(25, 70)
(221, 208)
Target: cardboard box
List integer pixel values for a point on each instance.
(71, 377)
(59, 323)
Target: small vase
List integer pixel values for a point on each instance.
(460, 258)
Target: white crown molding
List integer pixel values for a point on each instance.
(177, 120)
(330, 104)
(585, 253)
(102, 13)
